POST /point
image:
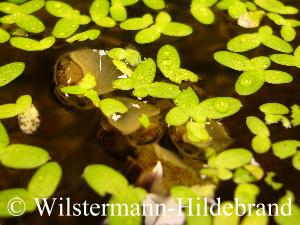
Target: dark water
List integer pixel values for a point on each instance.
(70, 137)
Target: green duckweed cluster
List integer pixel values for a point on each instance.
(236, 164)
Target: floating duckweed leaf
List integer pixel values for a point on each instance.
(65, 27)
(274, 108)
(85, 88)
(118, 12)
(295, 115)
(132, 57)
(163, 18)
(28, 44)
(256, 171)
(187, 103)
(272, 118)
(246, 42)
(291, 23)
(99, 13)
(147, 35)
(8, 19)
(24, 102)
(237, 9)
(143, 75)
(4, 139)
(200, 10)
(157, 90)
(197, 114)
(196, 132)
(45, 181)
(20, 193)
(11, 71)
(32, 6)
(259, 63)
(4, 36)
(225, 4)
(287, 60)
(261, 144)
(179, 75)
(117, 53)
(284, 59)
(177, 116)
(220, 107)
(202, 14)
(97, 177)
(269, 180)
(255, 219)
(59, 9)
(138, 23)
(224, 174)
(20, 15)
(229, 218)
(106, 22)
(277, 77)
(241, 63)
(246, 193)
(233, 158)
(111, 106)
(250, 82)
(122, 67)
(279, 20)
(257, 126)
(168, 62)
(276, 6)
(251, 6)
(163, 25)
(125, 84)
(144, 120)
(232, 60)
(296, 161)
(168, 58)
(285, 149)
(93, 96)
(144, 72)
(8, 8)
(291, 215)
(288, 33)
(117, 215)
(74, 90)
(242, 175)
(176, 29)
(12, 110)
(155, 4)
(185, 194)
(70, 19)
(19, 156)
(125, 2)
(249, 173)
(83, 36)
(88, 81)
(187, 98)
(274, 42)
(30, 23)
(243, 43)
